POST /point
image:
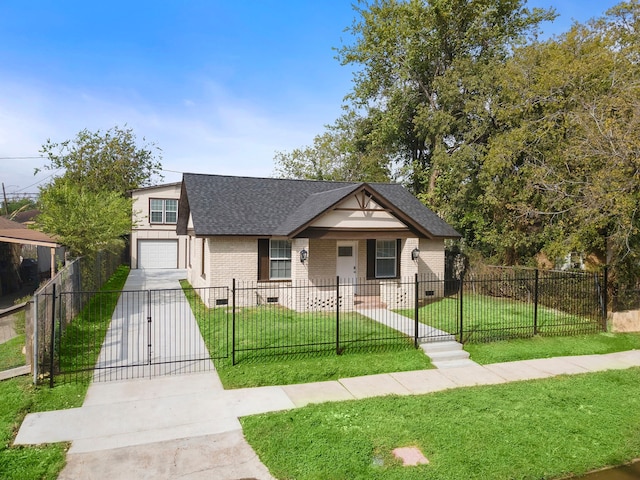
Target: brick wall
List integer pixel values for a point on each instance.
(232, 257)
(227, 258)
(322, 259)
(431, 258)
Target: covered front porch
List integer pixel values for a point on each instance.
(372, 272)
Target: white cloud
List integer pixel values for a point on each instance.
(211, 132)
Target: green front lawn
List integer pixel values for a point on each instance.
(272, 327)
(18, 396)
(546, 347)
(487, 319)
(537, 429)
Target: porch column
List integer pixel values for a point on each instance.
(53, 262)
(299, 270)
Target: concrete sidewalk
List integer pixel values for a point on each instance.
(187, 427)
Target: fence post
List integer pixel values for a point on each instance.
(416, 312)
(535, 304)
(460, 313)
(605, 298)
(35, 342)
(337, 315)
(53, 337)
(233, 322)
(149, 329)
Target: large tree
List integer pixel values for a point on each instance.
(573, 104)
(424, 77)
(111, 160)
(85, 206)
(427, 87)
(84, 220)
(522, 145)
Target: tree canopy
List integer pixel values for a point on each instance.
(86, 206)
(524, 146)
(84, 220)
(110, 160)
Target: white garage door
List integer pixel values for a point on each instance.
(157, 254)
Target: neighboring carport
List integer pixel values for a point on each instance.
(16, 233)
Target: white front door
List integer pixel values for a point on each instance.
(347, 261)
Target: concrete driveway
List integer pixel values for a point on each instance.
(165, 423)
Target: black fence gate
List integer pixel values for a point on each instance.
(132, 334)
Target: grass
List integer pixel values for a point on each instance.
(488, 319)
(284, 369)
(82, 340)
(306, 369)
(11, 355)
(284, 366)
(18, 396)
(537, 429)
(546, 347)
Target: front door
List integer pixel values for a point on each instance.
(347, 261)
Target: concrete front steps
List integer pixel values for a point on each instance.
(447, 354)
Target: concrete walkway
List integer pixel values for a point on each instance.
(406, 325)
(186, 426)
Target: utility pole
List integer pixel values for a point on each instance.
(6, 205)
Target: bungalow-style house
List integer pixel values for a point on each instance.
(275, 234)
(154, 241)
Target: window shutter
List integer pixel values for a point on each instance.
(263, 259)
(398, 256)
(371, 259)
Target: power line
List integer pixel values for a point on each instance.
(38, 182)
(19, 158)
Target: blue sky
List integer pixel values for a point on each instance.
(219, 86)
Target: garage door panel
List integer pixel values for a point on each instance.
(157, 254)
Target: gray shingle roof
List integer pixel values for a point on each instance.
(225, 205)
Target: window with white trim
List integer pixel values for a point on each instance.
(163, 210)
(386, 258)
(279, 259)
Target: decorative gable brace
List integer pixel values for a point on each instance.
(392, 221)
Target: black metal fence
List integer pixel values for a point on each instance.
(514, 303)
(326, 316)
(132, 334)
(116, 335)
(334, 316)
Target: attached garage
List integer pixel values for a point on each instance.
(157, 253)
